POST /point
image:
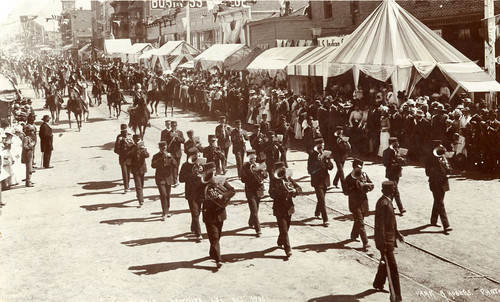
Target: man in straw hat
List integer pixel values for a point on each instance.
(282, 190)
(437, 168)
(386, 233)
(393, 170)
(357, 184)
(253, 176)
(165, 166)
(318, 165)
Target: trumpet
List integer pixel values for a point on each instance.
(259, 172)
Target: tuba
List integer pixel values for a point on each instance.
(258, 172)
(197, 169)
(283, 185)
(214, 189)
(440, 153)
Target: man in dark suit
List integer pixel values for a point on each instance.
(283, 190)
(213, 153)
(165, 166)
(122, 146)
(386, 233)
(310, 134)
(214, 208)
(223, 135)
(318, 166)
(340, 147)
(190, 174)
(192, 141)
(257, 143)
(264, 123)
(357, 184)
(392, 162)
(437, 168)
(254, 188)
(238, 139)
(46, 141)
(138, 154)
(174, 140)
(165, 132)
(285, 130)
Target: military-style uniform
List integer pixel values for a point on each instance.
(164, 177)
(320, 180)
(238, 140)
(138, 154)
(191, 182)
(393, 171)
(214, 153)
(123, 144)
(339, 152)
(174, 139)
(224, 142)
(254, 190)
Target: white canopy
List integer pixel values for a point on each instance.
(391, 43)
(273, 62)
(133, 53)
(172, 53)
(311, 64)
(221, 55)
(116, 46)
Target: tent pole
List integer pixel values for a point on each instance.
(489, 48)
(454, 92)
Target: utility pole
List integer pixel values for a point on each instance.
(188, 27)
(489, 48)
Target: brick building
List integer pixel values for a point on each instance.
(457, 21)
(128, 20)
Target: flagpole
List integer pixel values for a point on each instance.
(489, 48)
(188, 27)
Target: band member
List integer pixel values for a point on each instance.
(214, 195)
(286, 132)
(238, 139)
(165, 166)
(214, 153)
(437, 168)
(123, 145)
(392, 162)
(340, 148)
(272, 149)
(223, 135)
(386, 233)
(264, 123)
(318, 165)
(190, 172)
(283, 190)
(257, 142)
(192, 141)
(310, 134)
(46, 141)
(174, 140)
(253, 176)
(165, 132)
(357, 184)
(138, 154)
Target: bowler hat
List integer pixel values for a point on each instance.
(45, 118)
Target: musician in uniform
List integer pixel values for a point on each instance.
(223, 135)
(238, 140)
(213, 153)
(174, 140)
(340, 148)
(257, 142)
(192, 141)
(318, 165)
(272, 149)
(165, 132)
(122, 145)
(138, 154)
(283, 190)
(357, 184)
(253, 175)
(286, 132)
(165, 166)
(392, 162)
(437, 168)
(386, 233)
(214, 197)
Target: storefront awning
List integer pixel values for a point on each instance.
(311, 64)
(221, 56)
(469, 76)
(275, 60)
(176, 48)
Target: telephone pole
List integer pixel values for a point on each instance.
(489, 48)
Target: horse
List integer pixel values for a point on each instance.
(36, 84)
(115, 98)
(53, 100)
(156, 93)
(97, 91)
(78, 104)
(139, 115)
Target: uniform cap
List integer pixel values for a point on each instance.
(388, 185)
(357, 163)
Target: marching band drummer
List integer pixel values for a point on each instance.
(165, 166)
(318, 165)
(189, 175)
(214, 197)
(284, 188)
(253, 178)
(357, 184)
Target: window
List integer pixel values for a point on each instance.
(327, 9)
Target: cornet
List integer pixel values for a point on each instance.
(259, 172)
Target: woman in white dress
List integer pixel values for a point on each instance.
(385, 125)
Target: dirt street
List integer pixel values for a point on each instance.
(76, 237)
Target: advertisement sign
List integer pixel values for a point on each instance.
(332, 41)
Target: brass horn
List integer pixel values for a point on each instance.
(192, 158)
(439, 151)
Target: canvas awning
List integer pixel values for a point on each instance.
(311, 64)
(175, 48)
(469, 76)
(243, 64)
(221, 56)
(147, 54)
(116, 46)
(188, 64)
(392, 44)
(274, 61)
(69, 46)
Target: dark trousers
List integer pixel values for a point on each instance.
(438, 208)
(340, 172)
(388, 265)
(321, 205)
(194, 208)
(125, 175)
(29, 169)
(239, 161)
(397, 197)
(284, 226)
(46, 158)
(164, 189)
(358, 228)
(224, 161)
(139, 184)
(176, 170)
(214, 232)
(283, 157)
(253, 204)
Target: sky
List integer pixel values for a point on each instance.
(10, 10)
